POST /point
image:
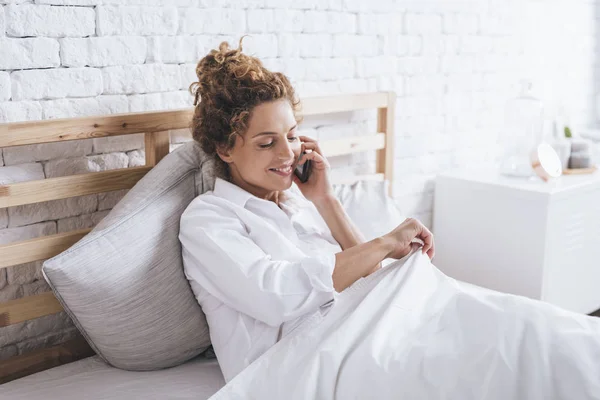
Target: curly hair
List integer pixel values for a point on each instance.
(230, 84)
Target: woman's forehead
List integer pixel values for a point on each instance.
(275, 116)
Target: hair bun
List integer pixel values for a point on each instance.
(217, 68)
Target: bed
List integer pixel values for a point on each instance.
(67, 370)
(198, 378)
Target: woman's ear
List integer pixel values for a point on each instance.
(224, 154)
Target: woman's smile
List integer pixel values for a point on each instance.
(282, 171)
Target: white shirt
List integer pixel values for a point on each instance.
(256, 269)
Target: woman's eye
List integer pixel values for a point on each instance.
(293, 138)
(266, 145)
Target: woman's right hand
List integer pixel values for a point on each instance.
(401, 239)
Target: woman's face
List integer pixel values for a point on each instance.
(263, 162)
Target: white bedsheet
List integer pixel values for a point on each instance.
(410, 332)
(92, 379)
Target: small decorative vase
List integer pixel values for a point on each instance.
(563, 149)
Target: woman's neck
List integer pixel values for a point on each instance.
(275, 196)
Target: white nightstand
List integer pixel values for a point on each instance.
(531, 238)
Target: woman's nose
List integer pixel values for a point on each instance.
(286, 152)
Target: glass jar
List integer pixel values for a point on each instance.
(523, 127)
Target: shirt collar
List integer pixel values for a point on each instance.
(239, 196)
(231, 192)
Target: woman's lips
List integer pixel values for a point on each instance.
(287, 171)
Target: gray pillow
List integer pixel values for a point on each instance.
(123, 284)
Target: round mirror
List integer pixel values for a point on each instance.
(546, 162)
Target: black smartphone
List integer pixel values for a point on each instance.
(303, 171)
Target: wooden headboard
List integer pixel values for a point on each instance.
(155, 126)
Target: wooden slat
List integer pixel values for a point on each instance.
(338, 147)
(63, 187)
(43, 359)
(347, 102)
(38, 249)
(385, 156)
(30, 307)
(58, 130)
(156, 147)
(352, 179)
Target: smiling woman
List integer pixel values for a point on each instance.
(261, 161)
(265, 251)
(245, 117)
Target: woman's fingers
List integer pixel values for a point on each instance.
(425, 235)
(314, 146)
(428, 241)
(307, 139)
(317, 159)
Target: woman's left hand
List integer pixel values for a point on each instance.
(318, 187)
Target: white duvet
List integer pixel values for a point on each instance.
(410, 332)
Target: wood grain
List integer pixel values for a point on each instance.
(385, 156)
(26, 308)
(579, 171)
(38, 249)
(59, 130)
(16, 194)
(156, 145)
(40, 360)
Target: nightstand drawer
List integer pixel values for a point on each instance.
(572, 277)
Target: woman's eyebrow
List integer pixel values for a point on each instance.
(264, 133)
(272, 133)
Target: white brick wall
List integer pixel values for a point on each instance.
(4, 86)
(101, 105)
(126, 79)
(28, 53)
(136, 21)
(176, 49)
(102, 51)
(56, 83)
(212, 20)
(47, 151)
(37, 20)
(452, 65)
(2, 22)
(13, 111)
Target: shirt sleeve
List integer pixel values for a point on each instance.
(219, 254)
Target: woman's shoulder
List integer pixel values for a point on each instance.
(207, 205)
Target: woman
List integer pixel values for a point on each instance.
(261, 254)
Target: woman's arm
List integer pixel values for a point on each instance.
(351, 263)
(341, 226)
(359, 261)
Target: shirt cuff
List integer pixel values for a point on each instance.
(319, 269)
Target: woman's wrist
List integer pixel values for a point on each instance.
(387, 243)
(325, 202)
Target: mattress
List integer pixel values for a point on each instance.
(93, 379)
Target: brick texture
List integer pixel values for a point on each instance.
(41, 20)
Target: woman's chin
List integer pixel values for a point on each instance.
(279, 182)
